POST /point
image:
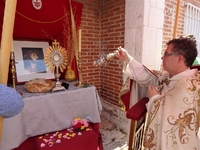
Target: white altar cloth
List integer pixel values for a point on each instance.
(49, 112)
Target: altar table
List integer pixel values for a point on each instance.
(50, 112)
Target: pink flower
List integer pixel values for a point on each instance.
(84, 122)
(74, 122)
(79, 124)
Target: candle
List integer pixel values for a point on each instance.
(6, 40)
(79, 40)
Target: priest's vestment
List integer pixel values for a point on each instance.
(174, 116)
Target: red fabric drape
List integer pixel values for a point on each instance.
(137, 111)
(89, 140)
(45, 24)
(126, 97)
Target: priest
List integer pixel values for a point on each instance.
(174, 98)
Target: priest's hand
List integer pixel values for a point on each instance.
(122, 54)
(152, 91)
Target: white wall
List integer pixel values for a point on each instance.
(143, 31)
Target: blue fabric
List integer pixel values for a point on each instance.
(11, 102)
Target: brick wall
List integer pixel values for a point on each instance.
(91, 41)
(170, 13)
(112, 36)
(102, 32)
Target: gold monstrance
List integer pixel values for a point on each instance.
(56, 58)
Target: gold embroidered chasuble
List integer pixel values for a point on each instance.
(174, 116)
(172, 122)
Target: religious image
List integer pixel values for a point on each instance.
(33, 60)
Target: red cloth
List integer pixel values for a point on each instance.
(137, 111)
(126, 97)
(95, 126)
(29, 144)
(45, 24)
(30, 23)
(89, 140)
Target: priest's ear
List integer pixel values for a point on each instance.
(181, 59)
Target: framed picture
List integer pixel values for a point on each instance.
(29, 60)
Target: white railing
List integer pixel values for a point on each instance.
(192, 22)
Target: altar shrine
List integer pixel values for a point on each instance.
(46, 119)
(50, 113)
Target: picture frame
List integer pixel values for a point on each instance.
(29, 60)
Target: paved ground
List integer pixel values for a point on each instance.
(113, 138)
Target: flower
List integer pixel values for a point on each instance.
(79, 124)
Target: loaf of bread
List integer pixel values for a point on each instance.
(39, 85)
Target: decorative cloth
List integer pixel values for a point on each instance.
(173, 117)
(67, 139)
(11, 102)
(173, 120)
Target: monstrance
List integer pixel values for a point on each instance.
(56, 59)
